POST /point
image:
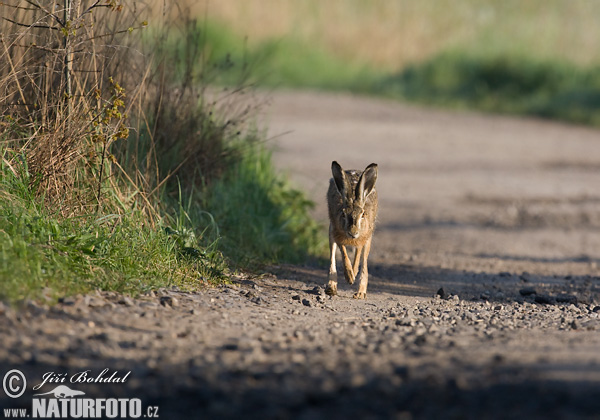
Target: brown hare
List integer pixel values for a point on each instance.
(352, 203)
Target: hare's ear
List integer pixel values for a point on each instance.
(339, 176)
(366, 183)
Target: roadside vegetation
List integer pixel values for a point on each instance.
(540, 58)
(122, 166)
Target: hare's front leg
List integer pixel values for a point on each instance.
(349, 273)
(356, 261)
(364, 273)
(331, 288)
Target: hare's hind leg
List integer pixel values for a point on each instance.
(331, 288)
(349, 273)
(364, 273)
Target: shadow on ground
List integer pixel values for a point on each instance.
(203, 391)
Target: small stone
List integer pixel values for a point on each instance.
(258, 300)
(94, 302)
(169, 301)
(420, 339)
(574, 325)
(402, 371)
(441, 293)
(596, 309)
(527, 291)
(306, 302)
(67, 301)
(296, 297)
(565, 298)
(127, 301)
(100, 337)
(230, 346)
(544, 299)
(318, 290)
(525, 277)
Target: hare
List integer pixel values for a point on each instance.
(352, 203)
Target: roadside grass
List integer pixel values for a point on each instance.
(515, 85)
(45, 255)
(262, 219)
(141, 176)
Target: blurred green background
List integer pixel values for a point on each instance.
(537, 57)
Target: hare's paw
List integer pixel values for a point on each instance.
(331, 289)
(360, 295)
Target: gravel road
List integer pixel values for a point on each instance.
(483, 299)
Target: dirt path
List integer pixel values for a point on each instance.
(501, 214)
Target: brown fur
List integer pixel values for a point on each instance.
(352, 203)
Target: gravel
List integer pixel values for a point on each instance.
(280, 349)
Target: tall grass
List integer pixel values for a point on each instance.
(116, 149)
(262, 219)
(45, 255)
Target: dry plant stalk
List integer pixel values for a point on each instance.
(54, 76)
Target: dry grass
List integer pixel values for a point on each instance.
(390, 34)
(58, 108)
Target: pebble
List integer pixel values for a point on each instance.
(565, 298)
(127, 301)
(236, 354)
(169, 301)
(544, 299)
(318, 290)
(527, 291)
(258, 300)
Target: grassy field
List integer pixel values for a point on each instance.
(537, 58)
(390, 35)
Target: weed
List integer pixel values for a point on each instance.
(114, 169)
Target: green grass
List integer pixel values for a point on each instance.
(501, 80)
(280, 62)
(247, 218)
(183, 196)
(516, 85)
(262, 219)
(42, 253)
